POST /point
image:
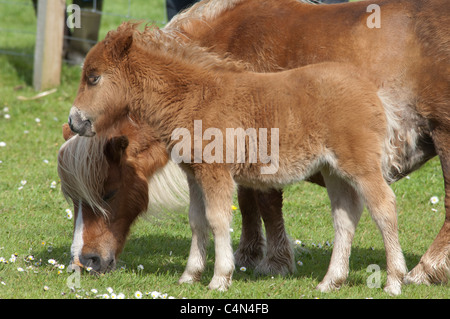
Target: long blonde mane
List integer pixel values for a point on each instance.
(83, 169)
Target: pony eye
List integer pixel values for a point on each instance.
(109, 196)
(93, 79)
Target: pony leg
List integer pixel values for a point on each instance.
(434, 266)
(280, 255)
(200, 231)
(380, 201)
(346, 209)
(252, 243)
(218, 187)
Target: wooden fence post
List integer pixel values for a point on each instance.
(49, 44)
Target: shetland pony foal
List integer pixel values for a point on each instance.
(330, 120)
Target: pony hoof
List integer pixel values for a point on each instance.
(327, 287)
(219, 283)
(393, 289)
(329, 284)
(416, 277)
(428, 274)
(248, 260)
(270, 267)
(188, 279)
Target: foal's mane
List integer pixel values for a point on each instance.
(168, 46)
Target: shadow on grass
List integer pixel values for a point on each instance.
(165, 254)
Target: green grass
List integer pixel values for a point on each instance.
(33, 219)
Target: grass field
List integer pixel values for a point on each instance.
(33, 219)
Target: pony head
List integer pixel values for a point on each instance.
(103, 84)
(111, 181)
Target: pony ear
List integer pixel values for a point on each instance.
(115, 148)
(67, 132)
(120, 44)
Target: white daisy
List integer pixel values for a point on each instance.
(69, 214)
(155, 294)
(434, 200)
(138, 294)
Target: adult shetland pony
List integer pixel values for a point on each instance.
(408, 58)
(111, 180)
(322, 118)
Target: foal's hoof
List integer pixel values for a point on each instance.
(327, 287)
(393, 289)
(188, 279)
(220, 283)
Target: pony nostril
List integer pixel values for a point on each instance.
(97, 264)
(92, 261)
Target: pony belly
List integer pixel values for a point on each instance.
(290, 170)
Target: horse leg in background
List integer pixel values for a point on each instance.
(280, 256)
(252, 243)
(434, 266)
(380, 201)
(346, 208)
(200, 233)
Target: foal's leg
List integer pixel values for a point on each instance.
(218, 187)
(252, 243)
(200, 231)
(346, 209)
(380, 201)
(434, 266)
(280, 256)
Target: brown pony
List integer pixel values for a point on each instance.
(111, 180)
(323, 118)
(407, 56)
(311, 35)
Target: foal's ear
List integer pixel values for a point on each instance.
(67, 132)
(119, 44)
(115, 147)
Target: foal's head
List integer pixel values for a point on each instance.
(107, 179)
(103, 83)
(126, 72)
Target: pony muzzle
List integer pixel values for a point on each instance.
(94, 263)
(79, 123)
